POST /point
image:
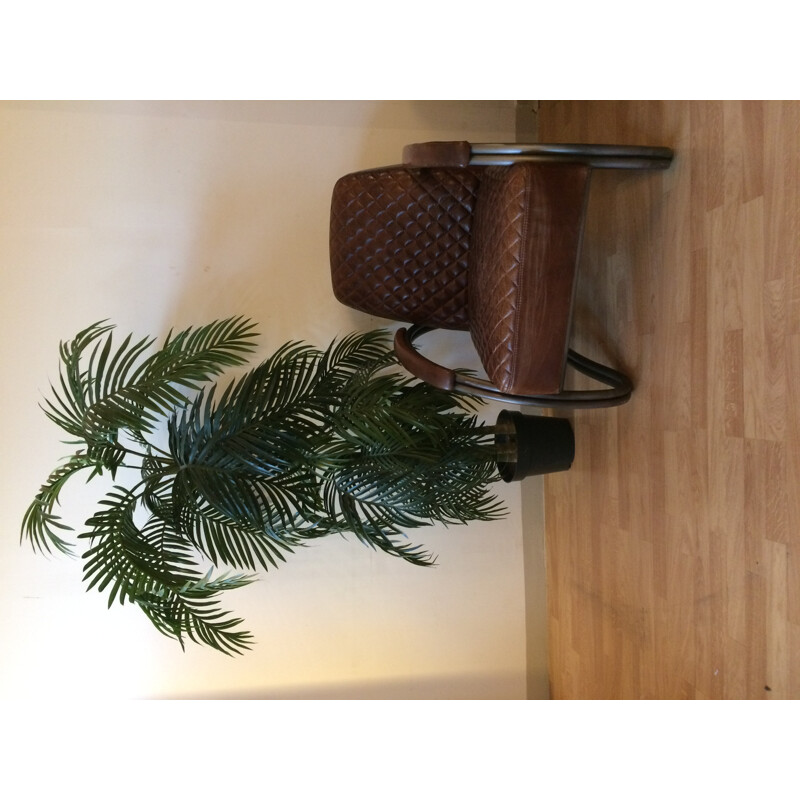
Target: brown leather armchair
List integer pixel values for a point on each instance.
(484, 238)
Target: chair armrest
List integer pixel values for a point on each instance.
(437, 154)
(419, 366)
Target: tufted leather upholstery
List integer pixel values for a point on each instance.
(482, 237)
(492, 250)
(525, 245)
(400, 240)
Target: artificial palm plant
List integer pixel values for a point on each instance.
(307, 444)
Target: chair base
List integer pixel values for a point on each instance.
(597, 156)
(618, 392)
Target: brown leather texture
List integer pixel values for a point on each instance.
(493, 250)
(437, 154)
(525, 245)
(421, 367)
(400, 241)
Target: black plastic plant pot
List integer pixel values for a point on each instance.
(529, 445)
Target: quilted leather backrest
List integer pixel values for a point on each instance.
(525, 245)
(399, 243)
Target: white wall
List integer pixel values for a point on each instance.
(161, 215)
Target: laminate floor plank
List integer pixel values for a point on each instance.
(673, 543)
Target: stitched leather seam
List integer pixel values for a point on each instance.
(521, 284)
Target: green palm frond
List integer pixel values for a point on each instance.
(40, 523)
(384, 490)
(356, 358)
(194, 355)
(245, 499)
(127, 559)
(307, 444)
(372, 523)
(252, 455)
(195, 613)
(156, 570)
(120, 390)
(237, 545)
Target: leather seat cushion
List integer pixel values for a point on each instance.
(399, 243)
(524, 253)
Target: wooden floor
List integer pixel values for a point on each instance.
(673, 544)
